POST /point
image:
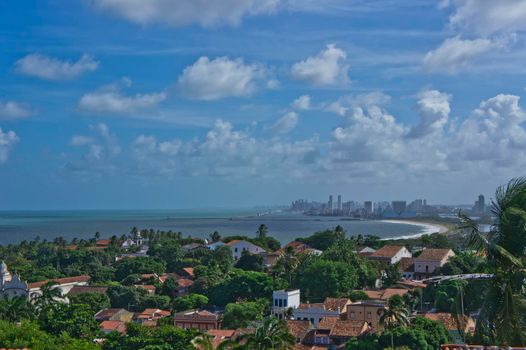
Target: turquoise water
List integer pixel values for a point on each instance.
(16, 226)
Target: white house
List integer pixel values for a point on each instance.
(430, 260)
(239, 246)
(284, 299)
(390, 254)
(331, 307)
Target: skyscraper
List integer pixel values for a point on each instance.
(399, 206)
(368, 205)
(329, 204)
(339, 202)
(480, 205)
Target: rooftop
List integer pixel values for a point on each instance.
(387, 251)
(65, 280)
(434, 254)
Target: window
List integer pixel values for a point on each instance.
(352, 315)
(280, 302)
(275, 302)
(312, 320)
(369, 316)
(427, 268)
(235, 249)
(285, 302)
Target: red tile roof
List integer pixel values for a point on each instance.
(298, 328)
(450, 322)
(76, 290)
(189, 271)
(65, 280)
(333, 304)
(111, 326)
(387, 251)
(185, 282)
(434, 254)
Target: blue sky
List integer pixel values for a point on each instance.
(176, 104)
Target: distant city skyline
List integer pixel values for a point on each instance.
(172, 104)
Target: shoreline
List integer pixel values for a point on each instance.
(429, 228)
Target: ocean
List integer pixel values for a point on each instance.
(16, 226)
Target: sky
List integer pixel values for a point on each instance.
(132, 104)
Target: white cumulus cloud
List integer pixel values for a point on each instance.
(487, 17)
(11, 110)
(112, 100)
(455, 54)
(222, 77)
(302, 103)
(285, 124)
(434, 109)
(328, 67)
(7, 140)
(51, 68)
(182, 12)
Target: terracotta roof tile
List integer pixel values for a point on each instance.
(65, 280)
(449, 321)
(349, 328)
(298, 328)
(387, 251)
(334, 304)
(434, 254)
(111, 326)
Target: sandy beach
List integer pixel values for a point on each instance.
(429, 228)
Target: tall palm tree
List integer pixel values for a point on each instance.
(503, 315)
(395, 315)
(290, 263)
(273, 334)
(49, 295)
(203, 342)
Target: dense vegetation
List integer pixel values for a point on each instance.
(244, 288)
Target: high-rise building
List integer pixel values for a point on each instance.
(399, 206)
(480, 205)
(329, 204)
(339, 202)
(368, 206)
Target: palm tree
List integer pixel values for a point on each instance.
(395, 315)
(290, 263)
(273, 334)
(49, 295)
(262, 231)
(502, 318)
(16, 309)
(203, 342)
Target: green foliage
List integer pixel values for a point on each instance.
(272, 334)
(140, 337)
(189, 302)
(221, 258)
(167, 250)
(357, 295)
(391, 276)
(240, 315)
(251, 262)
(95, 301)
(242, 285)
(319, 278)
(344, 251)
(323, 239)
(75, 319)
(16, 309)
(462, 263)
(139, 265)
(135, 299)
(29, 335)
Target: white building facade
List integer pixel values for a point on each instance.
(283, 300)
(240, 246)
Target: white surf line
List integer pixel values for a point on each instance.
(428, 229)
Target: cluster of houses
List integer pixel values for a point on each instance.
(328, 324)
